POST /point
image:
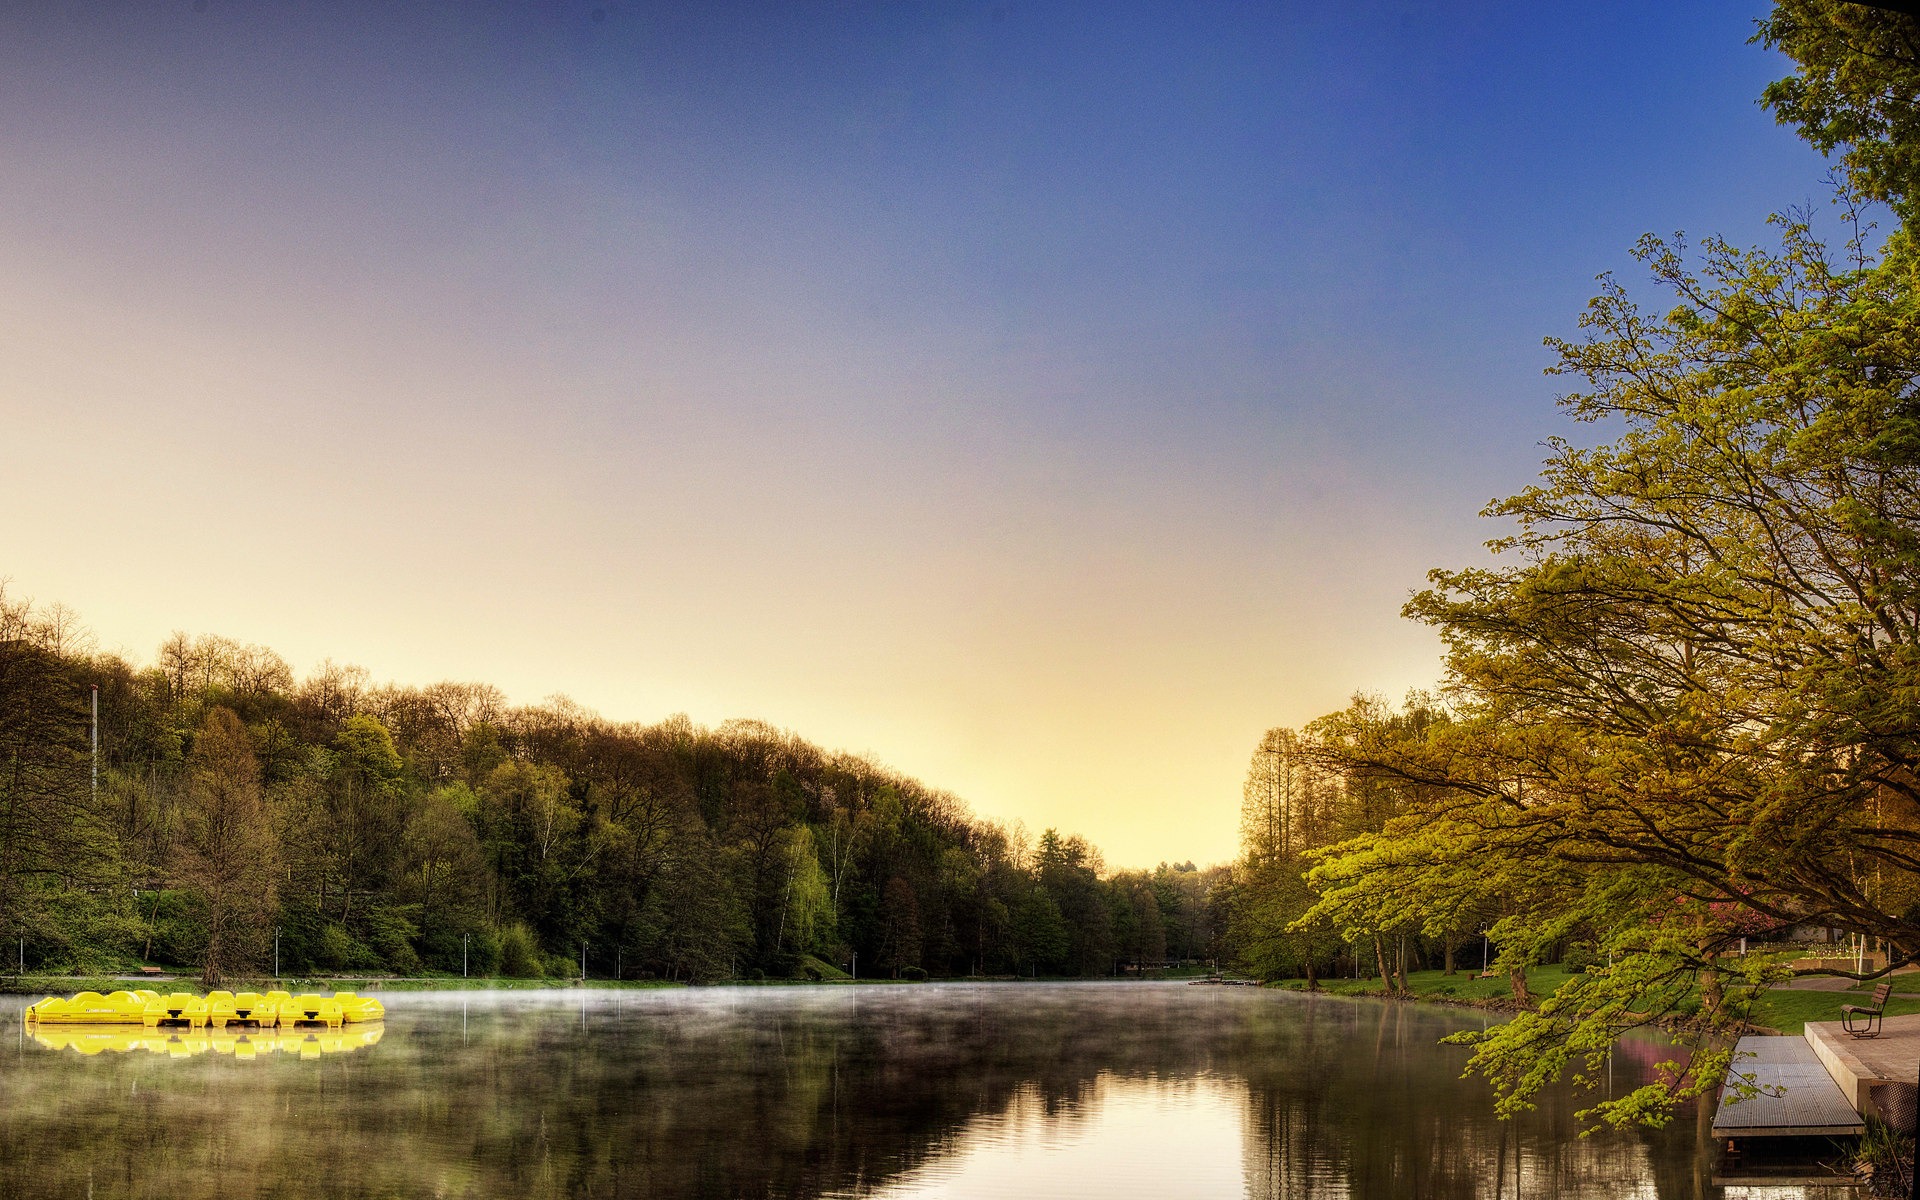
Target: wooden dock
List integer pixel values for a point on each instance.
(1797, 1095)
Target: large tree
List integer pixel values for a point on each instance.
(226, 853)
(1686, 710)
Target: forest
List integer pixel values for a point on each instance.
(230, 812)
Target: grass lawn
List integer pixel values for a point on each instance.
(1438, 985)
(1783, 1009)
(1788, 1010)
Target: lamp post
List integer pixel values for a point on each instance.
(276, 952)
(464, 939)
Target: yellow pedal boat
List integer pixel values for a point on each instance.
(359, 1008)
(242, 1008)
(180, 1008)
(217, 1010)
(312, 1009)
(91, 1008)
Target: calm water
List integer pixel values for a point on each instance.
(1096, 1090)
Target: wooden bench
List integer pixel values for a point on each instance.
(1863, 1020)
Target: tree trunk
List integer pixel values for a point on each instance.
(1712, 994)
(1313, 981)
(1380, 959)
(1517, 979)
(1451, 969)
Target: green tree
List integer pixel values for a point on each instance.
(442, 881)
(50, 834)
(1691, 694)
(226, 852)
(1041, 938)
(366, 787)
(1856, 90)
(901, 938)
(806, 905)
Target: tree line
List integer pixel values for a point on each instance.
(238, 812)
(1680, 713)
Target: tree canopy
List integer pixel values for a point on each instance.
(401, 829)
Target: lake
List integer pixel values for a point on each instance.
(935, 1090)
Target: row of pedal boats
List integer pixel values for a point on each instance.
(215, 1010)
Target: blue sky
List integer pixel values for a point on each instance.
(1045, 399)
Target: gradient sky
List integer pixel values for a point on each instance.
(1042, 398)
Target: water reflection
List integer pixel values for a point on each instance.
(1009, 1090)
(184, 1043)
(1162, 1137)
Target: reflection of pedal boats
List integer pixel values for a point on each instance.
(216, 1010)
(186, 1043)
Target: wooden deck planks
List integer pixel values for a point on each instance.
(1798, 1097)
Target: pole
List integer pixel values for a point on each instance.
(96, 744)
(856, 965)
(464, 939)
(583, 962)
(276, 952)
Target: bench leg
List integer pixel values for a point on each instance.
(1860, 1025)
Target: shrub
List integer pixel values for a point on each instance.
(914, 974)
(391, 935)
(336, 947)
(1580, 956)
(519, 952)
(483, 953)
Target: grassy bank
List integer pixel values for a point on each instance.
(1463, 988)
(1781, 1009)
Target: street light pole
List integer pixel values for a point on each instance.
(276, 952)
(464, 939)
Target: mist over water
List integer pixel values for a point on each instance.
(939, 1090)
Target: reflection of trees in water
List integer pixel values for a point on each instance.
(768, 1094)
(1364, 1105)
